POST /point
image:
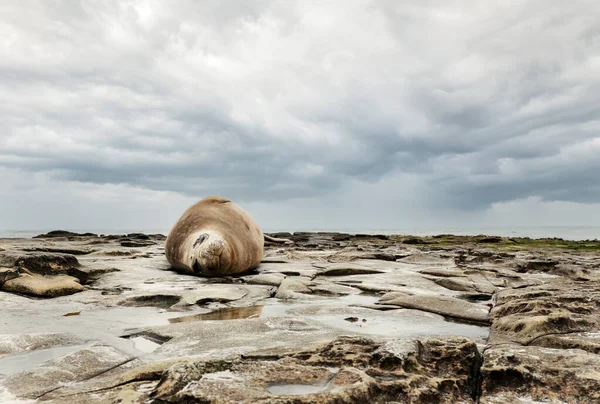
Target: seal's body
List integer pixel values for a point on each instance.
(215, 237)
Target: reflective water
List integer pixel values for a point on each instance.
(296, 389)
(22, 362)
(228, 313)
(144, 345)
(335, 312)
(411, 324)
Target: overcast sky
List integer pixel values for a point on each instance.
(309, 114)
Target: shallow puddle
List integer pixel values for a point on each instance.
(400, 326)
(144, 345)
(273, 308)
(25, 361)
(228, 313)
(336, 312)
(295, 389)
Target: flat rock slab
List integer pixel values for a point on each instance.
(271, 279)
(17, 343)
(429, 259)
(88, 390)
(456, 283)
(443, 272)
(399, 323)
(293, 288)
(463, 284)
(371, 287)
(332, 289)
(221, 339)
(81, 365)
(293, 268)
(345, 269)
(443, 305)
(43, 286)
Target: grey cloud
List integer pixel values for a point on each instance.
(266, 100)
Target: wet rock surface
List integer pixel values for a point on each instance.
(333, 317)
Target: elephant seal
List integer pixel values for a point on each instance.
(215, 237)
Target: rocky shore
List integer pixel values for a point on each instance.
(331, 318)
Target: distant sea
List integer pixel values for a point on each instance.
(564, 232)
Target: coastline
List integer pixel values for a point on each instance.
(443, 318)
(573, 233)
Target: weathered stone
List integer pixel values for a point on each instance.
(442, 371)
(221, 339)
(152, 370)
(515, 373)
(526, 329)
(109, 380)
(43, 286)
(373, 287)
(17, 343)
(64, 233)
(65, 250)
(272, 279)
(154, 300)
(292, 288)
(6, 274)
(443, 272)
(415, 240)
(333, 289)
(41, 263)
(80, 365)
(545, 306)
(536, 266)
(525, 315)
(391, 296)
(343, 270)
(587, 341)
(443, 305)
(459, 284)
(492, 239)
(137, 243)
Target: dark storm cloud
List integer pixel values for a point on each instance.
(480, 103)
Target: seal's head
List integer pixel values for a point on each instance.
(207, 254)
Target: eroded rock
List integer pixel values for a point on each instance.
(81, 365)
(6, 274)
(526, 315)
(345, 370)
(18, 343)
(155, 300)
(271, 279)
(293, 288)
(42, 263)
(512, 373)
(343, 270)
(443, 305)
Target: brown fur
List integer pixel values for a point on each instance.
(243, 238)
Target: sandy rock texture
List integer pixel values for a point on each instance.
(331, 318)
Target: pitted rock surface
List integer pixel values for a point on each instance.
(336, 317)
